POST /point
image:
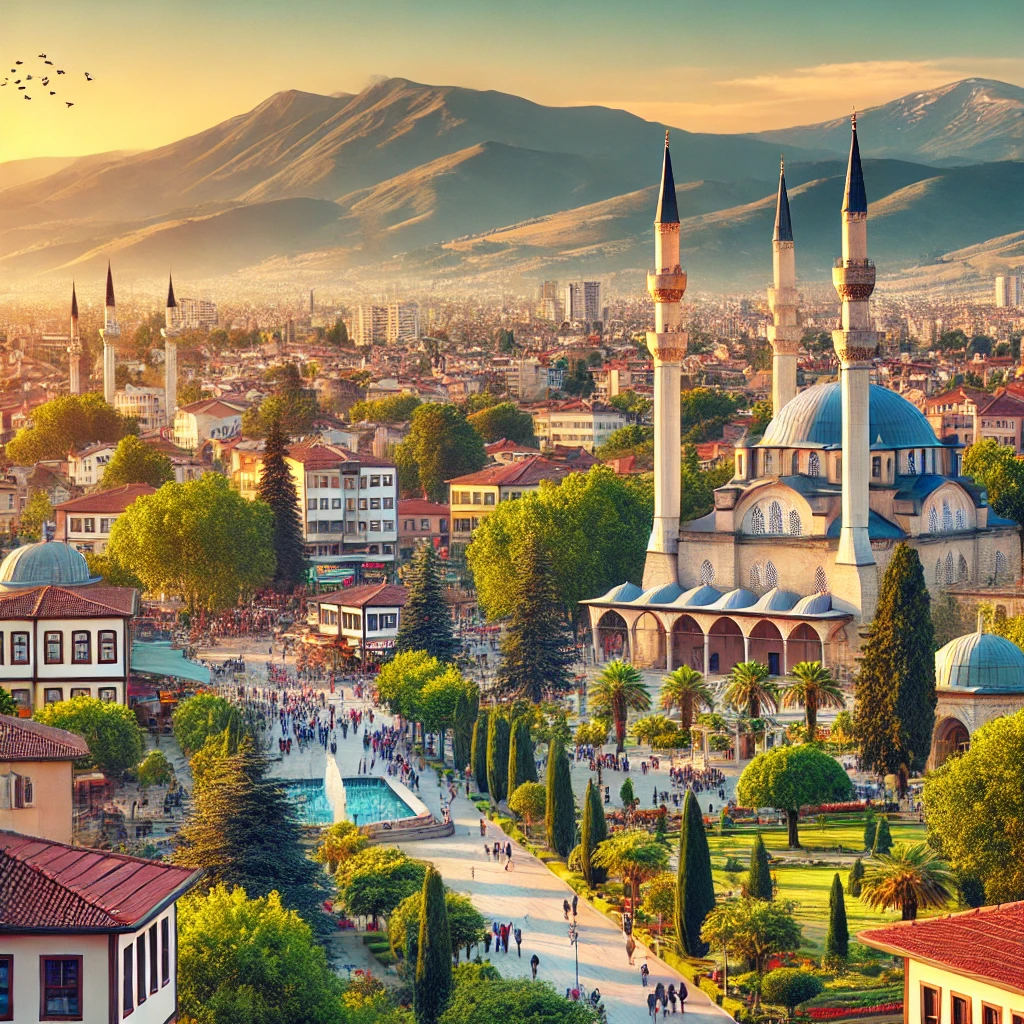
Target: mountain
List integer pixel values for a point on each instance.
(973, 121)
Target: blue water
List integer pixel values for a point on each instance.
(310, 801)
(366, 801)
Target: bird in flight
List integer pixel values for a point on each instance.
(42, 56)
(59, 72)
(88, 77)
(52, 93)
(68, 104)
(19, 62)
(28, 97)
(46, 81)
(50, 62)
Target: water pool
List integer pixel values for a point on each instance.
(309, 798)
(363, 801)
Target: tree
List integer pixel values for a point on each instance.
(401, 681)
(895, 688)
(996, 468)
(647, 729)
(7, 705)
(529, 800)
(465, 925)
(634, 855)
(695, 889)
(814, 688)
(338, 335)
(440, 446)
(759, 878)
(426, 621)
(504, 420)
(790, 778)
(440, 700)
(197, 718)
(536, 647)
(479, 751)
(434, 952)
(467, 707)
(242, 959)
(111, 571)
(200, 540)
(660, 896)
(67, 424)
(292, 404)
(390, 409)
(789, 987)
(750, 690)
(975, 804)
(560, 813)
(626, 794)
(135, 462)
(618, 690)
(837, 938)
(949, 619)
(154, 770)
(522, 764)
(883, 837)
(374, 881)
(277, 491)
(632, 439)
(762, 416)
(38, 510)
(870, 826)
(593, 832)
(497, 756)
(909, 878)
(339, 842)
(686, 690)
(855, 878)
(518, 1001)
(110, 730)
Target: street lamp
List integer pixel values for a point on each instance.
(574, 942)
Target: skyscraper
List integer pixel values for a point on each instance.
(583, 301)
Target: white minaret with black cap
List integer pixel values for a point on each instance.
(784, 333)
(74, 348)
(170, 333)
(110, 333)
(667, 345)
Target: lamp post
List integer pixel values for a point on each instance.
(574, 942)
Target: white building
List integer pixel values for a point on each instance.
(1008, 290)
(583, 301)
(85, 523)
(370, 325)
(366, 618)
(403, 322)
(146, 405)
(208, 419)
(193, 315)
(86, 467)
(530, 379)
(576, 422)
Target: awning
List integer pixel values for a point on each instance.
(158, 658)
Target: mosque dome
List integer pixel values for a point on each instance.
(815, 418)
(44, 564)
(980, 661)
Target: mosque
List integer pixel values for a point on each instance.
(787, 566)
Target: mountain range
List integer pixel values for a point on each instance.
(431, 181)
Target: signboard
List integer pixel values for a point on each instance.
(375, 565)
(379, 645)
(343, 574)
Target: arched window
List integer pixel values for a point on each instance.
(1001, 566)
(947, 515)
(775, 517)
(795, 528)
(755, 578)
(949, 569)
(820, 581)
(911, 464)
(813, 464)
(707, 573)
(933, 520)
(938, 572)
(963, 574)
(757, 521)
(771, 577)
(766, 465)
(961, 519)
(796, 463)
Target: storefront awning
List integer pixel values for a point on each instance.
(160, 659)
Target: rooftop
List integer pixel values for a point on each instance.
(21, 739)
(318, 454)
(526, 473)
(117, 499)
(55, 602)
(420, 507)
(374, 595)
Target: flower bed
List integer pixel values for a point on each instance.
(845, 805)
(838, 1012)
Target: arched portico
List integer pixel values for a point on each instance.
(726, 647)
(767, 646)
(688, 644)
(649, 642)
(611, 637)
(950, 737)
(803, 644)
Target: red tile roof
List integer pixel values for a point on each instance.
(524, 473)
(1006, 404)
(48, 885)
(320, 455)
(420, 507)
(51, 602)
(221, 407)
(21, 739)
(117, 499)
(986, 944)
(504, 445)
(373, 595)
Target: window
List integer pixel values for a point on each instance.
(938, 572)
(929, 1005)
(489, 498)
(375, 503)
(813, 465)
(961, 519)
(476, 498)
(312, 504)
(363, 504)
(350, 483)
(408, 525)
(53, 648)
(107, 646)
(1000, 566)
(371, 623)
(947, 515)
(311, 526)
(6, 987)
(755, 578)
(76, 525)
(375, 481)
(362, 481)
(81, 648)
(442, 526)
(107, 523)
(335, 482)
(90, 524)
(61, 981)
(350, 504)
(165, 951)
(911, 464)
(24, 795)
(375, 525)
(707, 573)
(335, 502)
(389, 524)
(389, 621)
(424, 524)
(933, 520)
(991, 1014)
(127, 991)
(771, 576)
(140, 968)
(949, 568)
(388, 480)
(80, 691)
(820, 581)
(795, 528)
(19, 648)
(757, 521)
(963, 573)
(325, 504)
(876, 465)
(775, 517)
(960, 1009)
(53, 695)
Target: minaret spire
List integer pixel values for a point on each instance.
(668, 209)
(110, 287)
(783, 224)
(74, 348)
(110, 333)
(170, 333)
(784, 333)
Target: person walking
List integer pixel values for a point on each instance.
(630, 948)
(487, 942)
(672, 996)
(518, 936)
(575, 901)
(565, 909)
(645, 973)
(534, 964)
(508, 855)
(683, 993)
(652, 1004)
(659, 992)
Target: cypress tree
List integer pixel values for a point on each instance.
(467, 707)
(837, 939)
(626, 794)
(695, 890)
(497, 756)
(522, 764)
(277, 489)
(426, 622)
(479, 750)
(560, 818)
(895, 690)
(870, 825)
(759, 878)
(883, 837)
(434, 952)
(536, 650)
(856, 875)
(587, 844)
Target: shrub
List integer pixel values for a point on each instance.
(788, 986)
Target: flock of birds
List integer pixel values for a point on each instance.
(43, 79)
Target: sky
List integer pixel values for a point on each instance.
(165, 70)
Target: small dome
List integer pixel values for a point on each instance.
(622, 594)
(739, 598)
(665, 594)
(815, 604)
(980, 661)
(777, 601)
(44, 564)
(698, 597)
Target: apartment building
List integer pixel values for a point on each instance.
(85, 523)
(583, 422)
(583, 301)
(1001, 419)
(86, 467)
(951, 414)
(420, 520)
(208, 419)
(147, 406)
(193, 315)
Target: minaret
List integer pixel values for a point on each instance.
(170, 332)
(110, 333)
(856, 345)
(667, 345)
(74, 348)
(784, 334)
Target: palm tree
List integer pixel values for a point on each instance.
(618, 690)
(686, 690)
(814, 688)
(634, 855)
(751, 689)
(646, 729)
(909, 877)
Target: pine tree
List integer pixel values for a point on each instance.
(870, 825)
(479, 750)
(895, 692)
(536, 650)
(277, 489)
(695, 890)
(837, 939)
(855, 877)
(497, 756)
(522, 764)
(433, 985)
(759, 878)
(560, 818)
(426, 621)
(883, 837)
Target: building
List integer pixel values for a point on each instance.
(36, 787)
(86, 467)
(582, 301)
(208, 419)
(403, 323)
(370, 325)
(530, 379)
(365, 619)
(86, 934)
(193, 315)
(86, 522)
(959, 968)
(506, 451)
(420, 520)
(146, 405)
(1008, 290)
(1000, 418)
(576, 421)
(619, 375)
(951, 414)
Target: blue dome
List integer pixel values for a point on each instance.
(815, 418)
(45, 564)
(777, 601)
(980, 661)
(698, 597)
(738, 598)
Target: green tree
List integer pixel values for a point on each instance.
(837, 938)
(467, 707)
(518, 1001)
(762, 417)
(401, 681)
(434, 952)
(339, 842)
(135, 462)
(855, 878)
(38, 510)
(751, 690)
(242, 959)
(440, 446)
(479, 752)
(686, 690)
(632, 439)
(277, 491)
(634, 855)
(560, 814)
(996, 468)
(154, 770)
(909, 878)
(529, 801)
(504, 420)
(291, 404)
(593, 832)
(7, 705)
(374, 881)
(522, 764)
(759, 878)
(110, 730)
(618, 690)
(200, 540)
(695, 889)
(883, 837)
(338, 335)
(870, 825)
(390, 409)
(426, 621)
(67, 424)
(465, 925)
(895, 689)
(197, 718)
(813, 689)
(975, 806)
(790, 778)
(497, 756)
(949, 619)
(111, 571)
(660, 897)
(789, 987)
(440, 700)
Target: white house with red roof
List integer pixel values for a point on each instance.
(365, 619)
(209, 418)
(86, 522)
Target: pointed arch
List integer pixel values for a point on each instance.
(963, 573)
(771, 576)
(813, 464)
(757, 521)
(938, 572)
(933, 520)
(947, 515)
(707, 573)
(949, 569)
(775, 517)
(755, 578)
(820, 581)
(795, 527)
(911, 464)
(1002, 566)
(961, 519)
